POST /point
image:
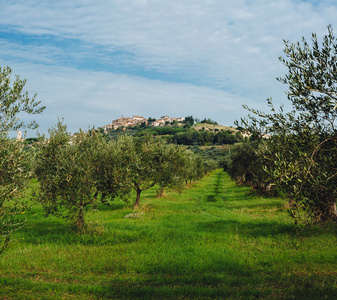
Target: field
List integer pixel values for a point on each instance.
(213, 241)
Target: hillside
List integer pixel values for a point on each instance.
(201, 134)
(199, 126)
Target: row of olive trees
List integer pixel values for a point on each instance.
(77, 171)
(300, 158)
(74, 172)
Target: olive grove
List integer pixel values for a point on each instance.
(77, 171)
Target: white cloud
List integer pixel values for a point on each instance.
(86, 99)
(228, 47)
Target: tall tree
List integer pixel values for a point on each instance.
(14, 171)
(301, 155)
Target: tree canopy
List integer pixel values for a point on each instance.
(14, 171)
(300, 158)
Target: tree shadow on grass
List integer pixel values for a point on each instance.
(216, 188)
(258, 286)
(237, 194)
(112, 205)
(258, 206)
(220, 191)
(249, 229)
(256, 229)
(58, 233)
(211, 198)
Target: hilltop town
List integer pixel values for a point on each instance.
(137, 120)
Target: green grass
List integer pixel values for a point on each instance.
(213, 241)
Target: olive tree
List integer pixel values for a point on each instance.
(300, 158)
(140, 161)
(14, 171)
(69, 173)
(76, 171)
(63, 171)
(149, 161)
(173, 163)
(109, 172)
(194, 167)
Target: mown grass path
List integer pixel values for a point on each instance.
(213, 241)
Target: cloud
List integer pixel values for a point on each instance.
(86, 99)
(204, 58)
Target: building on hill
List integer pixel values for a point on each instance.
(179, 120)
(124, 122)
(247, 134)
(19, 135)
(137, 120)
(106, 128)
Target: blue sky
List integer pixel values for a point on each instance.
(92, 61)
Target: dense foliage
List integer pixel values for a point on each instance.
(208, 121)
(14, 161)
(65, 169)
(212, 157)
(299, 158)
(75, 172)
(150, 161)
(182, 135)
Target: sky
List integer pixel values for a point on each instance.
(92, 61)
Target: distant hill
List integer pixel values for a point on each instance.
(213, 127)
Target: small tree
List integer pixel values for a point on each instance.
(194, 167)
(14, 171)
(209, 121)
(173, 162)
(136, 161)
(109, 171)
(188, 121)
(151, 120)
(147, 162)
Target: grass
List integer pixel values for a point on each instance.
(215, 240)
